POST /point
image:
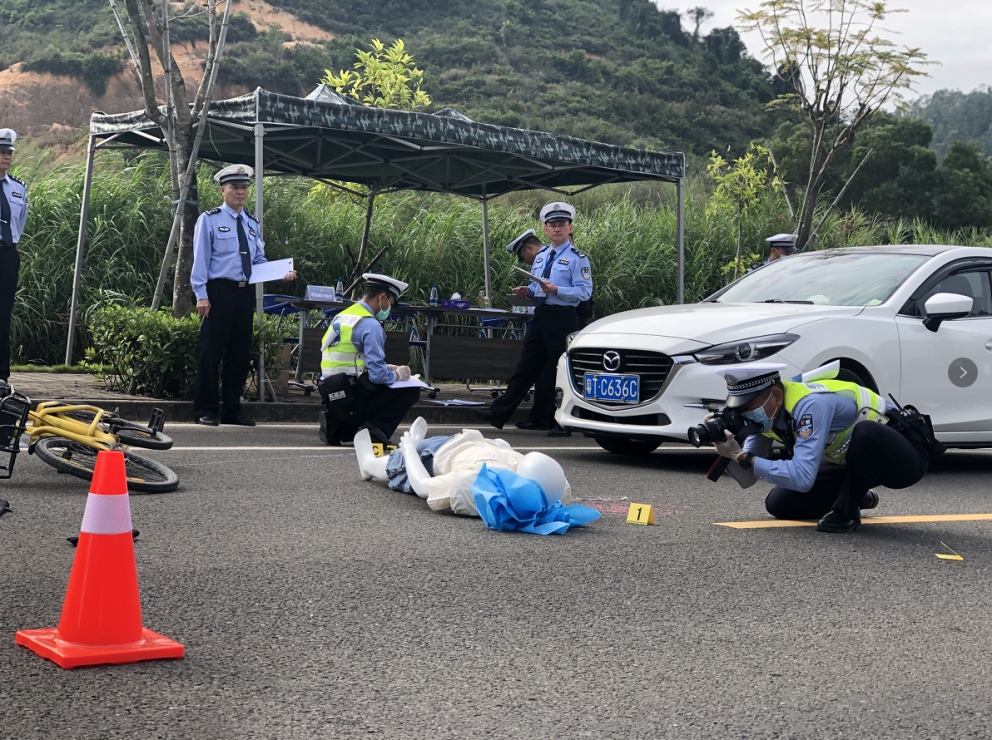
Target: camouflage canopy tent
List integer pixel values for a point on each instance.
(334, 139)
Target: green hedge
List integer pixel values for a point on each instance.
(94, 69)
(156, 350)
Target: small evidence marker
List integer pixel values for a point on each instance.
(640, 514)
(379, 450)
(942, 556)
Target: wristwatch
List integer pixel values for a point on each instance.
(748, 462)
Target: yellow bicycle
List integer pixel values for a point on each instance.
(69, 438)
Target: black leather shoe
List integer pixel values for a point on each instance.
(207, 420)
(327, 431)
(869, 501)
(844, 516)
(489, 417)
(240, 421)
(559, 431)
(528, 426)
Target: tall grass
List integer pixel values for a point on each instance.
(628, 231)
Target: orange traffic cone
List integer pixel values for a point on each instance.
(101, 616)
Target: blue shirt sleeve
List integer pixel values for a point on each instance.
(799, 473)
(580, 272)
(202, 242)
(369, 338)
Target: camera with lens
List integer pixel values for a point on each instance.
(713, 429)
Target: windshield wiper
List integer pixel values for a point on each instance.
(779, 300)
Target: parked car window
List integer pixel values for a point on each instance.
(973, 283)
(825, 278)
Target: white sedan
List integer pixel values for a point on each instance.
(911, 321)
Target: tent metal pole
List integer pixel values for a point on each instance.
(77, 274)
(680, 227)
(485, 245)
(259, 287)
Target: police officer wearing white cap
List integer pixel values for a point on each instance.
(226, 243)
(13, 216)
(526, 247)
(781, 245)
(837, 439)
(562, 279)
(355, 377)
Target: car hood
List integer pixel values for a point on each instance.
(714, 323)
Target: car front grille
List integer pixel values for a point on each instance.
(647, 420)
(652, 367)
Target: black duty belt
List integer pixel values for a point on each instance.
(235, 283)
(546, 308)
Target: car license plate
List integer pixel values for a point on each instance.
(622, 388)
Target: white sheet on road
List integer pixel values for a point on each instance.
(457, 464)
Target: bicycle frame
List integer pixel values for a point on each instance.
(46, 422)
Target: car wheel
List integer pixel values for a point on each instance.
(849, 376)
(625, 446)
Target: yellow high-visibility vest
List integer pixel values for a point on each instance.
(871, 407)
(344, 356)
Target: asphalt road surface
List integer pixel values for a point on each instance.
(313, 604)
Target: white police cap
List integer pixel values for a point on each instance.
(7, 138)
(745, 382)
(375, 280)
(236, 174)
(783, 241)
(557, 210)
(517, 244)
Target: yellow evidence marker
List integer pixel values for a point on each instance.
(640, 514)
(377, 449)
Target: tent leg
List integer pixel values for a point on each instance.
(77, 275)
(259, 287)
(680, 227)
(485, 245)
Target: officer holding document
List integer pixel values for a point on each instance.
(355, 379)
(226, 243)
(561, 279)
(840, 440)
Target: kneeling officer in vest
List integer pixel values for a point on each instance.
(355, 378)
(838, 444)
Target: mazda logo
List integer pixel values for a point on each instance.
(611, 360)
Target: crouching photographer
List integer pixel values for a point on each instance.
(840, 441)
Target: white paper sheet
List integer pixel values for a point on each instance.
(413, 382)
(459, 402)
(269, 271)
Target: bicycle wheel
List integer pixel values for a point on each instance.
(143, 475)
(130, 437)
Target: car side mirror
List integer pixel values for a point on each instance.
(942, 307)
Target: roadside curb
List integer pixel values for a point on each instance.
(269, 413)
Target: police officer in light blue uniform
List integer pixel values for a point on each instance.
(13, 216)
(837, 439)
(226, 243)
(562, 280)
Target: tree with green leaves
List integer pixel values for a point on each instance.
(741, 191)
(837, 72)
(383, 77)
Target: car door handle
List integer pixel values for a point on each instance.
(988, 345)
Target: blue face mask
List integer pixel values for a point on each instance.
(758, 416)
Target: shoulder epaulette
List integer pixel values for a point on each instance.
(575, 249)
(17, 179)
(250, 215)
(213, 211)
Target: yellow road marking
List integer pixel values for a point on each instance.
(769, 523)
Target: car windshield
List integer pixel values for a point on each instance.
(824, 278)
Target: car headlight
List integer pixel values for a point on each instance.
(569, 338)
(745, 350)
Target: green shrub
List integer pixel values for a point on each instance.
(94, 69)
(156, 350)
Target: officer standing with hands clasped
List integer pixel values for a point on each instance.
(840, 439)
(355, 379)
(13, 215)
(226, 243)
(562, 279)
